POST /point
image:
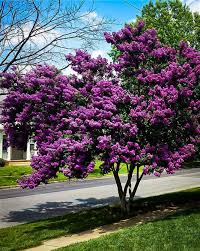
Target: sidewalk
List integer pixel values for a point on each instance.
(64, 241)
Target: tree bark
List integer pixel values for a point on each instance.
(138, 179)
(122, 196)
(126, 204)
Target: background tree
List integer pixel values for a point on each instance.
(96, 114)
(174, 22)
(34, 31)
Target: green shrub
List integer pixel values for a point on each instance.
(2, 162)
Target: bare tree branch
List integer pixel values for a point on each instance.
(34, 31)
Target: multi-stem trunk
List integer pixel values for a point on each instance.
(124, 202)
(121, 193)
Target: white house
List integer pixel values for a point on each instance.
(12, 154)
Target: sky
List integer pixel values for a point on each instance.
(123, 11)
(120, 11)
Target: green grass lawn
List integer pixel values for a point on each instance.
(32, 234)
(179, 232)
(10, 174)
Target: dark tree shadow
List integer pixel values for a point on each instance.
(52, 209)
(181, 213)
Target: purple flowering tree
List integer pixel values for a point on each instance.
(142, 110)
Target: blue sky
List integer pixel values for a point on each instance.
(121, 11)
(126, 10)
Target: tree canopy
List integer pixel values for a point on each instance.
(174, 22)
(96, 114)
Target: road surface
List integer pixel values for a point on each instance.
(19, 206)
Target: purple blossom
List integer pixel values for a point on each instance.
(136, 110)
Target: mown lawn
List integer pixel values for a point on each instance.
(179, 232)
(10, 174)
(32, 234)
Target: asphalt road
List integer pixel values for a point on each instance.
(19, 206)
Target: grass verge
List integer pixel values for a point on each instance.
(32, 234)
(180, 232)
(10, 174)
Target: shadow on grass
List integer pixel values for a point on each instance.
(186, 212)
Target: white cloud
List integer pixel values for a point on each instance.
(97, 53)
(38, 39)
(91, 16)
(133, 20)
(68, 71)
(103, 52)
(194, 5)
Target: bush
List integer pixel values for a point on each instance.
(2, 162)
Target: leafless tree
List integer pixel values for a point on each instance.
(36, 31)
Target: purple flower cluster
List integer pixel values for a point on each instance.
(142, 109)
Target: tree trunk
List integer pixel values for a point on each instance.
(138, 179)
(122, 195)
(124, 203)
